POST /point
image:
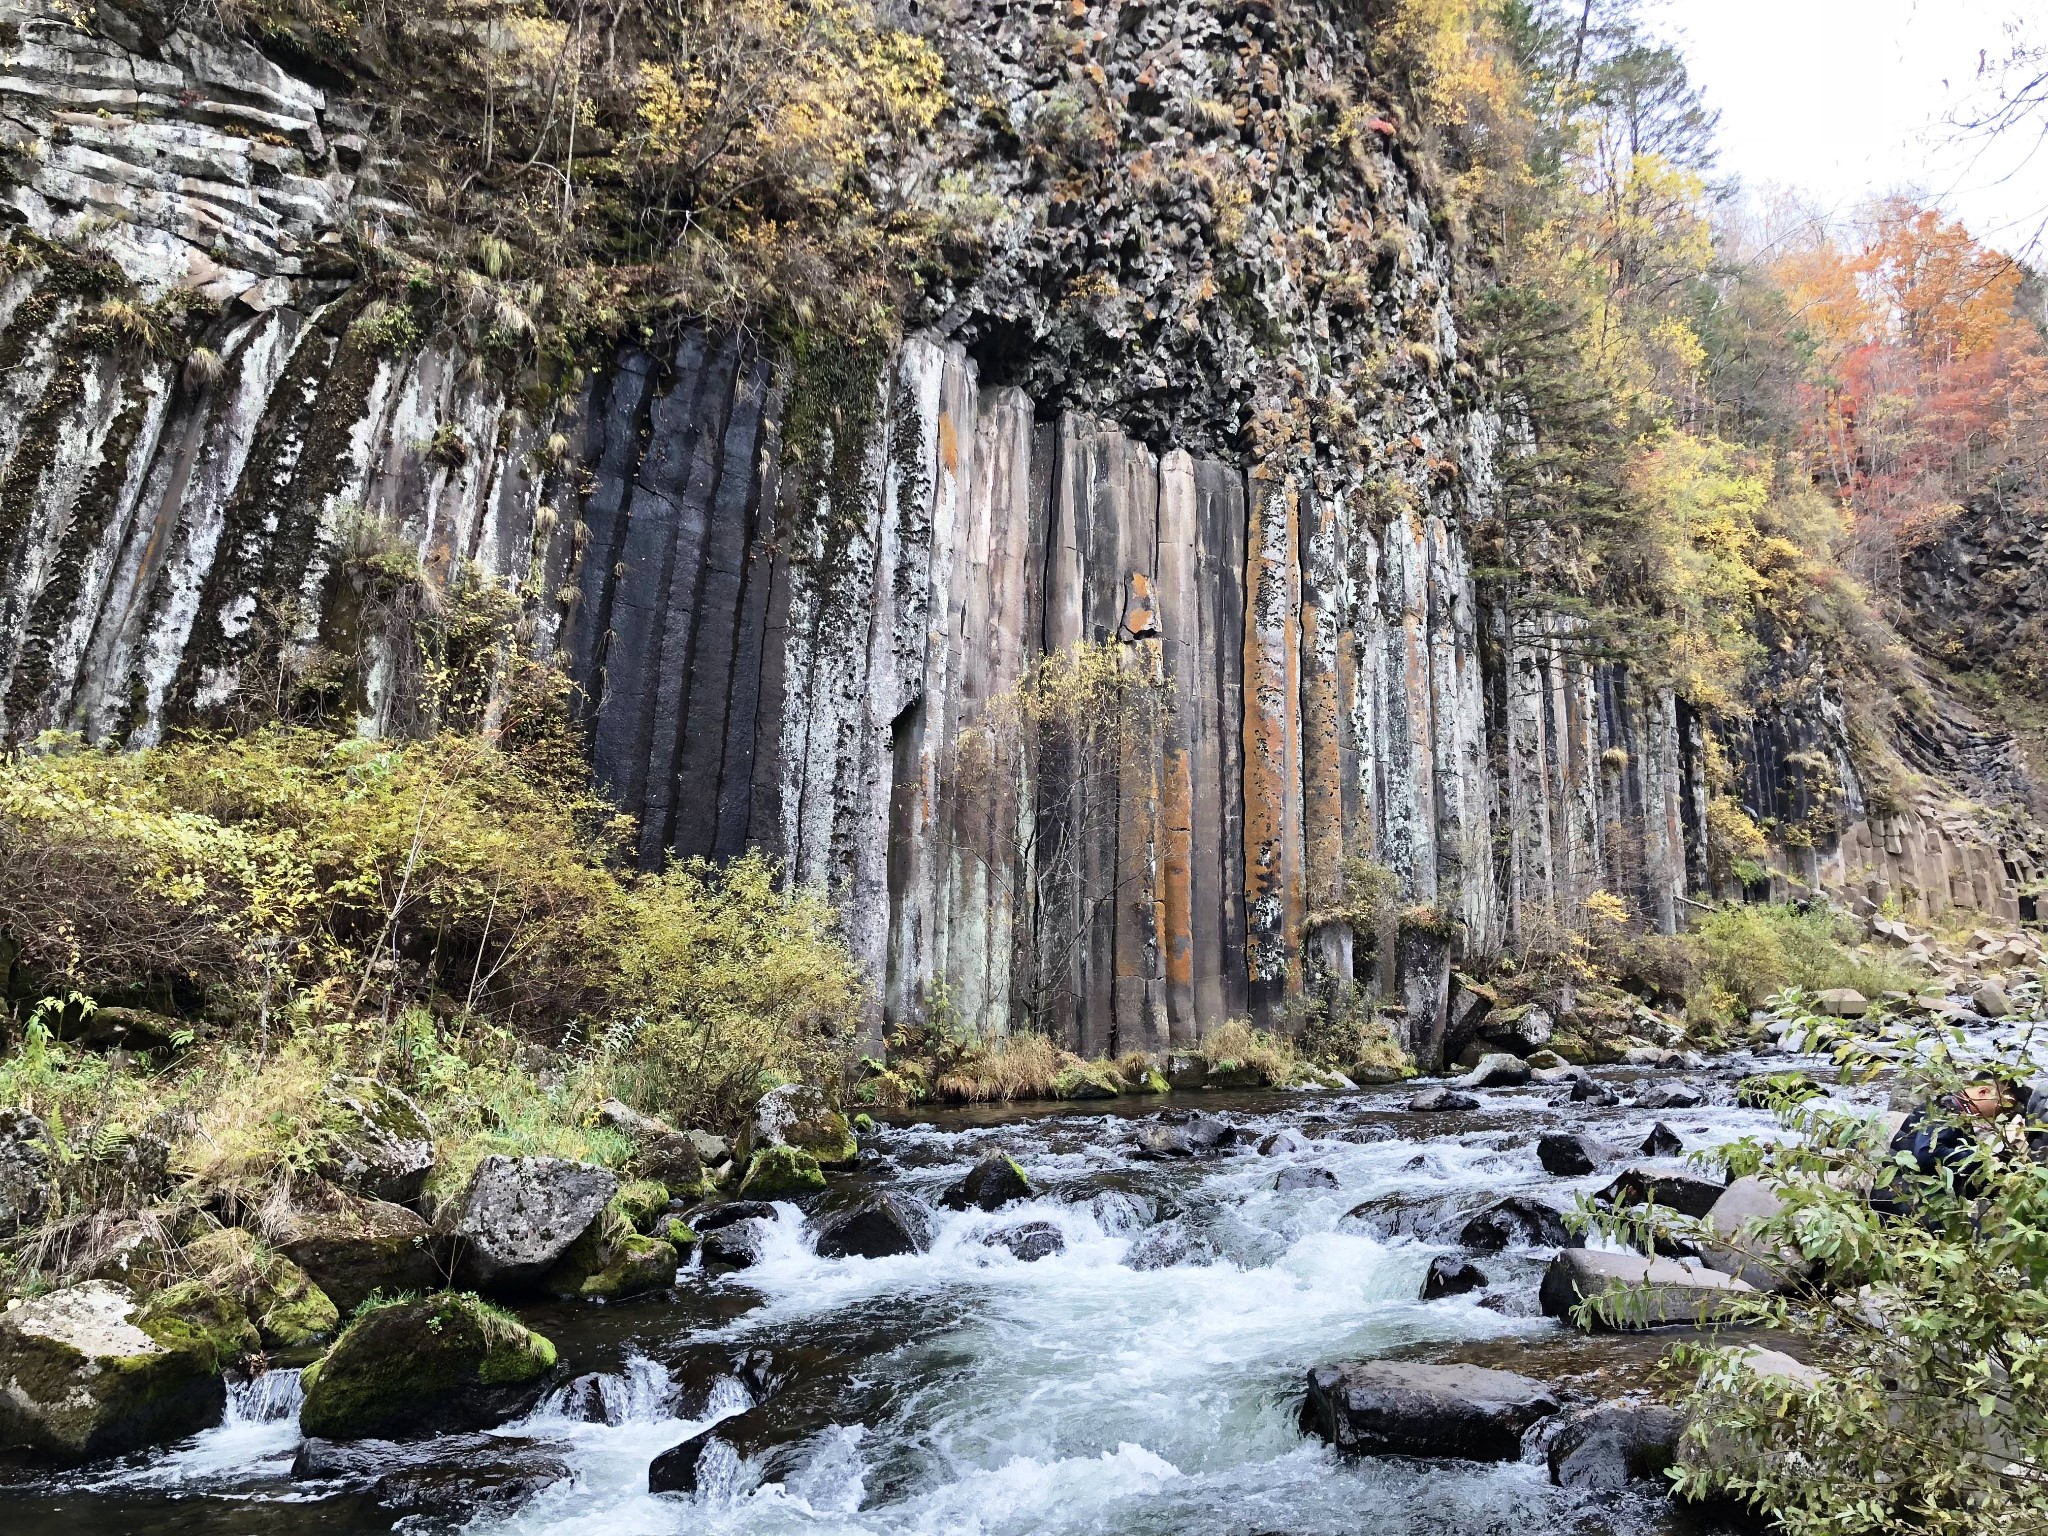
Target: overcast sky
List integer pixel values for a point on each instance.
(1845, 99)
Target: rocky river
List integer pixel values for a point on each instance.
(1126, 1350)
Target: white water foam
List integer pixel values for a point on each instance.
(254, 1442)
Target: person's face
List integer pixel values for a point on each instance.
(1983, 1100)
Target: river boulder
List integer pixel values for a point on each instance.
(879, 1227)
(674, 1161)
(519, 1215)
(782, 1172)
(82, 1376)
(379, 1142)
(1637, 1292)
(1569, 1154)
(1282, 1143)
(1671, 1096)
(1687, 1194)
(1662, 1142)
(1166, 1245)
(737, 1245)
(796, 1115)
(1497, 1069)
(1608, 1446)
(612, 1259)
(290, 1313)
(1599, 1095)
(1294, 1180)
(989, 1185)
(1516, 1222)
(429, 1366)
(1406, 1408)
(353, 1247)
(1729, 1246)
(1450, 1276)
(1028, 1241)
(25, 1186)
(1439, 1101)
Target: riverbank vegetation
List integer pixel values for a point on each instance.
(204, 936)
(1914, 1295)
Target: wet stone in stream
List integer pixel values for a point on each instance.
(1132, 1356)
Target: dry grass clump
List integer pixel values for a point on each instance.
(1235, 1046)
(1019, 1066)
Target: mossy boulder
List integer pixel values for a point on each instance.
(437, 1364)
(1087, 1080)
(635, 1266)
(1151, 1080)
(203, 1319)
(290, 1312)
(1231, 1073)
(639, 1202)
(781, 1173)
(379, 1142)
(796, 1115)
(85, 1376)
(676, 1162)
(679, 1235)
(989, 1185)
(1186, 1069)
(612, 1258)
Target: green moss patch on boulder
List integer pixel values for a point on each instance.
(1087, 1080)
(200, 1318)
(83, 1376)
(426, 1366)
(613, 1258)
(639, 1202)
(796, 1115)
(291, 1313)
(635, 1266)
(781, 1173)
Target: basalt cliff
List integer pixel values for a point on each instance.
(1206, 397)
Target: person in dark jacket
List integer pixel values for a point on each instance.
(1949, 1132)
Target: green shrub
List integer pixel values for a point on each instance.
(1751, 952)
(1923, 1312)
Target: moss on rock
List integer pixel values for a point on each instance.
(444, 1362)
(1087, 1080)
(638, 1203)
(291, 1313)
(781, 1173)
(84, 1379)
(636, 1266)
(202, 1319)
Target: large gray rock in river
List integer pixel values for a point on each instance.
(520, 1214)
(25, 1187)
(79, 1377)
(1614, 1444)
(1406, 1408)
(1747, 1201)
(1640, 1292)
(1569, 1153)
(1496, 1070)
(880, 1226)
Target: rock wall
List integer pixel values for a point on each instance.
(767, 656)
